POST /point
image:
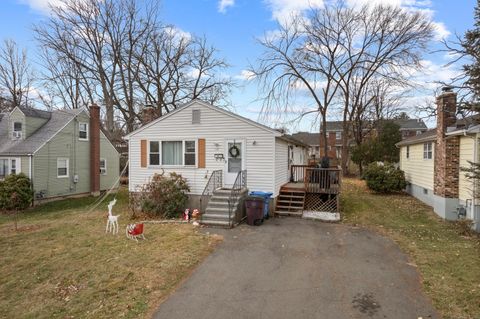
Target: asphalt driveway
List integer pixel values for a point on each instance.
(294, 268)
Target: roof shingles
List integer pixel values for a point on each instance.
(57, 120)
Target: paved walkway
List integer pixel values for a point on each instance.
(294, 268)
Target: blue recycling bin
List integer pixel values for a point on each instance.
(266, 197)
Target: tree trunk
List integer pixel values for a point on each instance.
(323, 135)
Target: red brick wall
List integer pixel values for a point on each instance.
(331, 141)
(447, 151)
(94, 149)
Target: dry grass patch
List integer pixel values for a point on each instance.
(65, 265)
(449, 263)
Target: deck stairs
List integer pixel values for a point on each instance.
(217, 213)
(290, 201)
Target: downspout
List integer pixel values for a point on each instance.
(30, 171)
(475, 145)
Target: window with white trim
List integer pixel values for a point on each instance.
(154, 153)
(427, 150)
(62, 167)
(338, 135)
(103, 166)
(189, 153)
(3, 168)
(17, 130)
(172, 153)
(13, 166)
(9, 166)
(83, 131)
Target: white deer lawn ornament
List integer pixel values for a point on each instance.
(112, 222)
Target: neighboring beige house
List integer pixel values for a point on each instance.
(432, 163)
(64, 152)
(204, 143)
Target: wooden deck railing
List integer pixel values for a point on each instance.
(316, 180)
(297, 173)
(322, 180)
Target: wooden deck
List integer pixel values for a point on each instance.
(310, 188)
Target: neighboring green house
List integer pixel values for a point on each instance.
(64, 152)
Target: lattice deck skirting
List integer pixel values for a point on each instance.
(315, 202)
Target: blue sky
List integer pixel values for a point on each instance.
(232, 26)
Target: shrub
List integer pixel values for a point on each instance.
(384, 178)
(164, 196)
(15, 193)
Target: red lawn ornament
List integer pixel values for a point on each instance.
(135, 231)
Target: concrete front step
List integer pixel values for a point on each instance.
(216, 223)
(217, 211)
(219, 203)
(210, 216)
(227, 192)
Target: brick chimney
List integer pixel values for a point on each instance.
(447, 150)
(95, 150)
(149, 113)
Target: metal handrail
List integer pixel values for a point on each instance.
(214, 182)
(240, 183)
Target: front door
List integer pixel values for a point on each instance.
(235, 161)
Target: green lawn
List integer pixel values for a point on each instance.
(448, 262)
(61, 264)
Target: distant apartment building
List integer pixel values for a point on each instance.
(408, 128)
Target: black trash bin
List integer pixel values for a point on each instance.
(254, 206)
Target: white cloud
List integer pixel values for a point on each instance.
(41, 5)
(177, 33)
(441, 31)
(245, 75)
(224, 4)
(283, 10)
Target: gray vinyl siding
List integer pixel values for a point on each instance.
(33, 124)
(281, 164)
(216, 128)
(25, 165)
(108, 152)
(67, 145)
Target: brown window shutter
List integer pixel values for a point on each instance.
(143, 153)
(201, 153)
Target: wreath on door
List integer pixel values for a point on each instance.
(234, 151)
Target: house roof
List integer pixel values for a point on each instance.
(430, 135)
(58, 120)
(31, 112)
(411, 124)
(307, 138)
(405, 124)
(293, 140)
(464, 125)
(205, 104)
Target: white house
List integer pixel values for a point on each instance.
(198, 139)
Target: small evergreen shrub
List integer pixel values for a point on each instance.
(15, 193)
(164, 196)
(384, 178)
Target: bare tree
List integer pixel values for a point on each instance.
(345, 49)
(287, 66)
(64, 83)
(118, 54)
(178, 68)
(16, 76)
